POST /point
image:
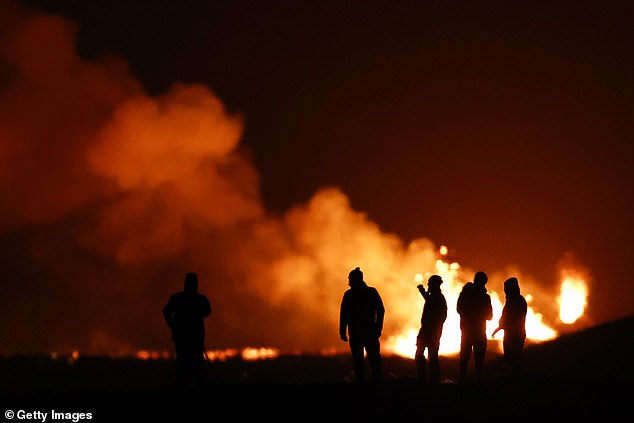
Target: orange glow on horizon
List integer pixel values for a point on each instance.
(251, 354)
(247, 354)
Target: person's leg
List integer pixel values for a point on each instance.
(180, 375)
(434, 363)
(373, 348)
(356, 348)
(465, 354)
(420, 361)
(479, 352)
(199, 369)
(513, 354)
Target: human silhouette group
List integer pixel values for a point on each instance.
(361, 323)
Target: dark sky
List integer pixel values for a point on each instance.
(501, 130)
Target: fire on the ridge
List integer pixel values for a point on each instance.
(572, 301)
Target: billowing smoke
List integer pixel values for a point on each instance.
(108, 196)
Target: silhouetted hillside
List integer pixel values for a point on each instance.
(579, 375)
(604, 351)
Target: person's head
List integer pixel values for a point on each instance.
(191, 282)
(511, 287)
(434, 282)
(355, 277)
(480, 279)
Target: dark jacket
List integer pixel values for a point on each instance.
(433, 317)
(513, 319)
(362, 312)
(184, 314)
(474, 307)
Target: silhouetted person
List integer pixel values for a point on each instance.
(513, 322)
(474, 307)
(184, 314)
(362, 314)
(431, 323)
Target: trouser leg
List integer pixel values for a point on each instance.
(434, 364)
(419, 360)
(356, 348)
(513, 354)
(479, 352)
(373, 347)
(465, 354)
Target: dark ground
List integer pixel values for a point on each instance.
(582, 375)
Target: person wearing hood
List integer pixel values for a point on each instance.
(513, 322)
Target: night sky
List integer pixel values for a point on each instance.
(503, 131)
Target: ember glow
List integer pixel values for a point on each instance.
(246, 354)
(262, 353)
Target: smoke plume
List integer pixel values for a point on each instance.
(108, 196)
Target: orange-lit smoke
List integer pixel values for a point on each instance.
(109, 195)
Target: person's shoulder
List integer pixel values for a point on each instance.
(176, 296)
(373, 290)
(203, 298)
(466, 288)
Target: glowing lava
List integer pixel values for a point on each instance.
(573, 298)
(404, 343)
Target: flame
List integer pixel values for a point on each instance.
(152, 355)
(535, 328)
(247, 354)
(404, 342)
(143, 355)
(222, 355)
(251, 354)
(573, 298)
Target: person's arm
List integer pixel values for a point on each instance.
(168, 314)
(422, 291)
(489, 309)
(459, 304)
(343, 319)
(206, 307)
(380, 314)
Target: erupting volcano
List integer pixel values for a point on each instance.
(110, 193)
